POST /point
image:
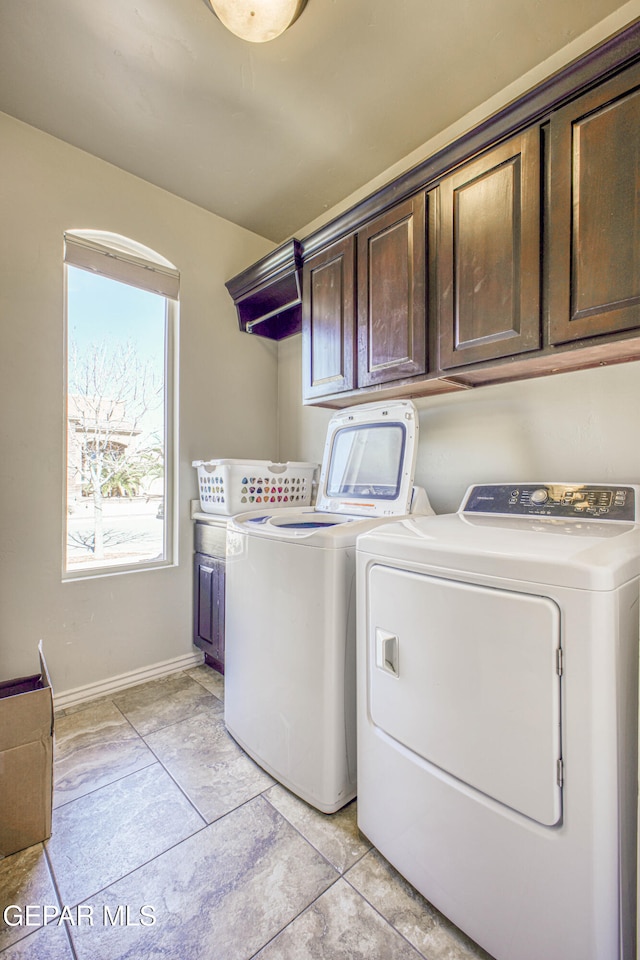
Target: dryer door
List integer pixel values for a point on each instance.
(467, 677)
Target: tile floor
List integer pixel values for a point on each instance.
(169, 842)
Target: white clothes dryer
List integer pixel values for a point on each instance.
(497, 714)
(290, 627)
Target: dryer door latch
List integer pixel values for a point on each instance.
(387, 652)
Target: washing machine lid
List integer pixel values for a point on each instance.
(369, 460)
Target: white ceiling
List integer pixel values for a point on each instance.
(268, 135)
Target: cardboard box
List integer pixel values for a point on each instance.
(26, 760)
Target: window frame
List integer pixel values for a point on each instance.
(125, 261)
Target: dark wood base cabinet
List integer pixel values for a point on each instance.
(208, 608)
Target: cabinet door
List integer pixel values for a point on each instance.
(328, 320)
(391, 295)
(209, 606)
(488, 255)
(594, 212)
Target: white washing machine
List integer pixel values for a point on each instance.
(290, 593)
(497, 714)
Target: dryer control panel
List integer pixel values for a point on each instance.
(575, 500)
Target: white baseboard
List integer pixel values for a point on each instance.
(70, 698)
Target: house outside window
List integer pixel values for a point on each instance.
(121, 317)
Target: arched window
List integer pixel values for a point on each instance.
(121, 319)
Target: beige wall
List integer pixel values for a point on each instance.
(100, 628)
(576, 426)
(573, 426)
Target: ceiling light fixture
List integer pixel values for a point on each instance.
(257, 20)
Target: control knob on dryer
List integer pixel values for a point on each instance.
(539, 496)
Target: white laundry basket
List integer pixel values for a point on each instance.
(232, 486)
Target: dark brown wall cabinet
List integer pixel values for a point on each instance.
(363, 308)
(594, 228)
(486, 229)
(532, 260)
(328, 321)
(391, 295)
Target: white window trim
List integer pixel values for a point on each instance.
(129, 262)
(156, 276)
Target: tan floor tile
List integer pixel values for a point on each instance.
(207, 763)
(221, 894)
(335, 835)
(101, 837)
(209, 678)
(423, 926)
(24, 880)
(50, 943)
(153, 705)
(340, 925)
(93, 747)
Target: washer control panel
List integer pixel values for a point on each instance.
(576, 500)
